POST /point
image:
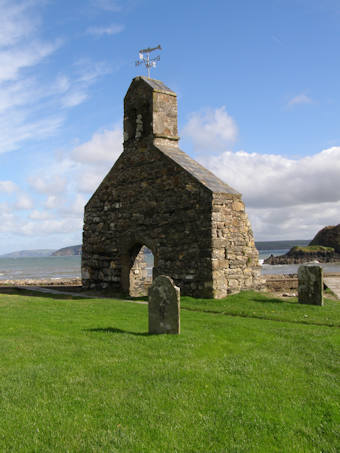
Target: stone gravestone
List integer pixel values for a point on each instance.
(164, 306)
(310, 285)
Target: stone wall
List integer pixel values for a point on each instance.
(148, 200)
(157, 196)
(234, 256)
(284, 283)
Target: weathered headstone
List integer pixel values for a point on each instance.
(310, 285)
(164, 306)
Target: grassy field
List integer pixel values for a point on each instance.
(250, 373)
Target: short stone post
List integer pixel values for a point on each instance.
(164, 306)
(310, 285)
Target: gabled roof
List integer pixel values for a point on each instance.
(156, 85)
(204, 176)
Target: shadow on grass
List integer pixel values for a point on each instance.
(274, 300)
(116, 330)
(258, 298)
(30, 293)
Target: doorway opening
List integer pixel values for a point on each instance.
(137, 271)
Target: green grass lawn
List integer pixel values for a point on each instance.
(84, 376)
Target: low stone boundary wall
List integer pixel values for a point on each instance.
(281, 283)
(286, 283)
(275, 283)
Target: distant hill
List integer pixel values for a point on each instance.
(73, 250)
(29, 253)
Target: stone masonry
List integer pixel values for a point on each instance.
(156, 196)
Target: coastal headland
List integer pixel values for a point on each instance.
(324, 248)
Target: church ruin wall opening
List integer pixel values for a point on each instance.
(137, 270)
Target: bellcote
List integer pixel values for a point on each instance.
(150, 112)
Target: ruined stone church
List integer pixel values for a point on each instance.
(156, 196)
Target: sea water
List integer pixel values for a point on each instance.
(66, 267)
(288, 268)
(51, 267)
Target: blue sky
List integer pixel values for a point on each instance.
(258, 94)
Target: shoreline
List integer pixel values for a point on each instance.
(42, 282)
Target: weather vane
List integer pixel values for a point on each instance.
(144, 58)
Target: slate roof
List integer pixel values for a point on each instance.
(156, 85)
(204, 176)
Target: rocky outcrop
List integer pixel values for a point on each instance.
(328, 237)
(300, 255)
(324, 248)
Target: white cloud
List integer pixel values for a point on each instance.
(104, 147)
(88, 71)
(77, 207)
(24, 202)
(74, 99)
(112, 29)
(51, 226)
(14, 59)
(89, 180)
(39, 215)
(31, 108)
(300, 99)
(7, 218)
(284, 197)
(62, 83)
(298, 222)
(53, 202)
(21, 48)
(95, 158)
(71, 178)
(8, 186)
(211, 129)
(16, 129)
(28, 106)
(15, 25)
(75, 91)
(269, 180)
(51, 184)
(17, 94)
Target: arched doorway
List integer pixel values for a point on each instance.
(137, 270)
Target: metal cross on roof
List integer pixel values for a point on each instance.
(144, 58)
